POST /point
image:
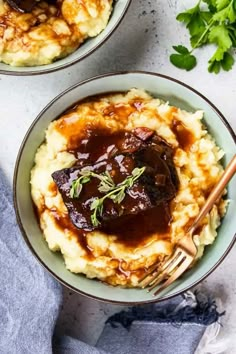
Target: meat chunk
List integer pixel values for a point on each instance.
(143, 133)
(157, 184)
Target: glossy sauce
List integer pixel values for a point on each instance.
(64, 223)
(135, 230)
(98, 145)
(184, 136)
(101, 145)
(75, 129)
(101, 150)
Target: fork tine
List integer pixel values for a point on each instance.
(150, 280)
(172, 258)
(153, 267)
(150, 271)
(176, 274)
(173, 261)
(168, 270)
(158, 280)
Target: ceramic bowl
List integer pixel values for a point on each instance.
(161, 86)
(120, 7)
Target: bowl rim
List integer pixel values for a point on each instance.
(20, 224)
(72, 62)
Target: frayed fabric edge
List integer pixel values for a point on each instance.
(190, 308)
(213, 340)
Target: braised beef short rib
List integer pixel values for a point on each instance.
(119, 154)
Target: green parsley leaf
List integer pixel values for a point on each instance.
(218, 55)
(197, 25)
(232, 12)
(214, 67)
(211, 5)
(220, 36)
(221, 4)
(223, 15)
(199, 40)
(183, 61)
(220, 59)
(186, 16)
(227, 62)
(232, 34)
(206, 16)
(181, 49)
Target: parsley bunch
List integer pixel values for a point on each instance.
(214, 23)
(112, 191)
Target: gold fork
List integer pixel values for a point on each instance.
(186, 250)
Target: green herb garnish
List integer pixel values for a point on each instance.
(107, 183)
(183, 60)
(112, 191)
(116, 194)
(215, 24)
(77, 185)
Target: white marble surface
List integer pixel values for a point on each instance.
(142, 42)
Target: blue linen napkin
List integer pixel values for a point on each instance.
(30, 302)
(29, 297)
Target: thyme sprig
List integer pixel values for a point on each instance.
(112, 191)
(106, 182)
(77, 185)
(116, 194)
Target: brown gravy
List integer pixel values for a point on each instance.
(184, 136)
(92, 145)
(135, 230)
(98, 147)
(63, 223)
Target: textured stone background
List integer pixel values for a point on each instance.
(143, 41)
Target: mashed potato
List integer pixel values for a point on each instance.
(49, 32)
(196, 157)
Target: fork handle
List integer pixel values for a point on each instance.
(215, 193)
